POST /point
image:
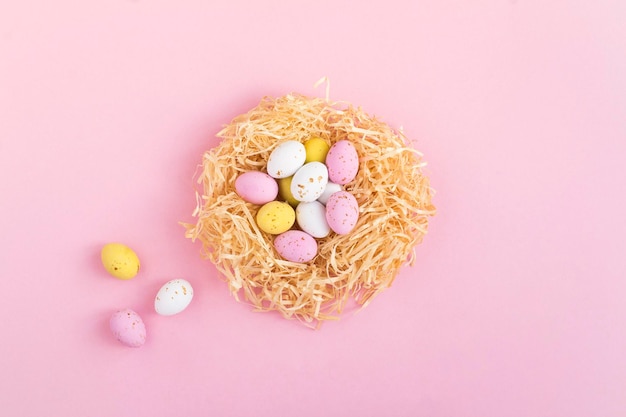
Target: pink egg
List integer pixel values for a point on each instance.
(128, 328)
(256, 187)
(342, 162)
(342, 212)
(296, 246)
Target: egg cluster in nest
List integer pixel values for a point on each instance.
(393, 194)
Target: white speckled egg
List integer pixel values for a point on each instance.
(286, 159)
(311, 217)
(173, 297)
(330, 189)
(309, 182)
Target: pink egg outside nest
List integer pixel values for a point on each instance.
(342, 162)
(256, 187)
(296, 246)
(128, 328)
(342, 212)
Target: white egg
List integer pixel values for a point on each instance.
(309, 182)
(286, 159)
(311, 217)
(173, 297)
(330, 189)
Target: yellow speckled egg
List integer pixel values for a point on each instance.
(284, 191)
(120, 260)
(316, 150)
(275, 217)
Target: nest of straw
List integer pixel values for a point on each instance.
(393, 194)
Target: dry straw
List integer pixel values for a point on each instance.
(393, 194)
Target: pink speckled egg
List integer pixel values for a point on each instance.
(296, 246)
(256, 187)
(128, 328)
(342, 162)
(342, 212)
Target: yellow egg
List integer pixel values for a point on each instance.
(316, 150)
(284, 191)
(275, 217)
(120, 260)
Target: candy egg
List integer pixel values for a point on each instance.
(128, 328)
(296, 246)
(275, 217)
(309, 182)
(342, 162)
(311, 217)
(120, 260)
(256, 187)
(316, 150)
(330, 189)
(342, 212)
(173, 297)
(284, 191)
(286, 159)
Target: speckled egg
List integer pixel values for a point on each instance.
(128, 328)
(309, 182)
(330, 189)
(311, 217)
(342, 162)
(120, 261)
(275, 217)
(296, 246)
(256, 187)
(173, 297)
(316, 150)
(342, 212)
(284, 191)
(286, 159)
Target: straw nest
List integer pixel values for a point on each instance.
(393, 194)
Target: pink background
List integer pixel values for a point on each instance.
(516, 306)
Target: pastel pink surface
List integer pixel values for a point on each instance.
(515, 306)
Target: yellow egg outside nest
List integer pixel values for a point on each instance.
(316, 150)
(120, 261)
(284, 191)
(275, 217)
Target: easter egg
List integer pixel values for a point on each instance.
(173, 297)
(342, 161)
(296, 246)
(284, 191)
(275, 217)
(309, 182)
(311, 217)
(128, 328)
(286, 159)
(330, 189)
(316, 150)
(256, 187)
(342, 212)
(119, 260)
